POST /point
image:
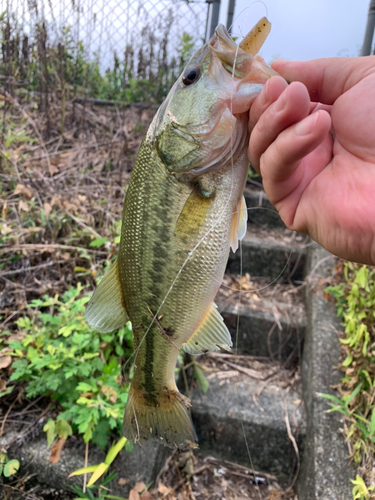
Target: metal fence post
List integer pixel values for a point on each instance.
(215, 11)
(231, 6)
(369, 34)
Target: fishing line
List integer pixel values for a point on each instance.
(281, 272)
(266, 286)
(245, 19)
(240, 248)
(235, 385)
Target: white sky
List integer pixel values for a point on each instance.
(304, 29)
(301, 29)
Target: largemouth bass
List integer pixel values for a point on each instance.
(183, 211)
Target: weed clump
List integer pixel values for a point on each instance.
(53, 63)
(355, 299)
(62, 358)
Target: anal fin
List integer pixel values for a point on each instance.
(239, 224)
(106, 310)
(211, 335)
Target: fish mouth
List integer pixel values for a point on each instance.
(239, 60)
(233, 59)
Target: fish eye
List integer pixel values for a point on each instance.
(190, 76)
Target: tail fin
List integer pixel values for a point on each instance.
(167, 419)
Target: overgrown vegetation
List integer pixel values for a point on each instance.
(59, 65)
(62, 358)
(355, 298)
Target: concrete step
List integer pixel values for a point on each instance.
(265, 332)
(275, 254)
(263, 320)
(261, 212)
(231, 410)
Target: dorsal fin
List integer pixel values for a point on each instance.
(239, 224)
(106, 310)
(211, 335)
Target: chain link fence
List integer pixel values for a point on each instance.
(108, 49)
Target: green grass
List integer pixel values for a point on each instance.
(355, 299)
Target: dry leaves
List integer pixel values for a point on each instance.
(23, 207)
(122, 481)
(47, 207)
(26, 192)
(5, 229)
(140, 492)
(63, 204)
(56, 450)
(5, 361)
(165, 491)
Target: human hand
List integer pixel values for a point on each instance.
(321, 183)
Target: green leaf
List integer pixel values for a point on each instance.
(98, 242)
(59, 357)
(115, 450)
(63, 429)
(353, 394)
(100, 470)
(114, 497)
(49, 428)
(101, 434)
(82, 386)
(372, 425)
(78, 491)
(85, 470)
(361, 277)
(348, 360)
(332, 398)
(7, 391)
(201, 378)
(11, 467)
(87, 435)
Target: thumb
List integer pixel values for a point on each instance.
(326, 79)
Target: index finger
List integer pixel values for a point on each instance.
(270, 92)
(326, 79)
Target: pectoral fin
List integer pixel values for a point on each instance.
(211, 335)
(194, 214)
(106, 310)
(239, 224)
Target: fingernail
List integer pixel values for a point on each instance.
(280, 103)
(307, 125)
(263, 96)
